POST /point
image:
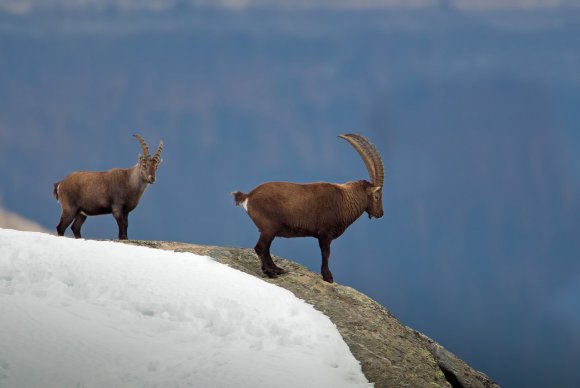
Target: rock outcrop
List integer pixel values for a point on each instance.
(9, 220)
(391, 354)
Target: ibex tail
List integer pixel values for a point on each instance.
(239, 197)
(55, 190)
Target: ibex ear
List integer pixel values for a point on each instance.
(373, 189)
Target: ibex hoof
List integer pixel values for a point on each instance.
(279, 271)
(328, 278)
(271, 273)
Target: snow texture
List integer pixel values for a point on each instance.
(78, 313)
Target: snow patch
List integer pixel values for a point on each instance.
(93, 314)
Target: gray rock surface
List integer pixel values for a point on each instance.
(391, 354)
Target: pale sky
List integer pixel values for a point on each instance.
(26, 6)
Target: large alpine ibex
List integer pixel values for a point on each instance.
(117, 192)
(320, 210)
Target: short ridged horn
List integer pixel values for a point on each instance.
(157, 156)
(370, 156)
(143, 146)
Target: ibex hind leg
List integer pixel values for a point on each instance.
(262, 249)
(66, 217)
(277, 270)
(77, 224)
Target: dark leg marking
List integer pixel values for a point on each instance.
(262, 249)
(66, 218)
(122, 219)
(324, 244)
(76, 226)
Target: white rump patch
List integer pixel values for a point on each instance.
(245, 204)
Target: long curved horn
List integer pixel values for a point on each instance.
(157, 156)
(370, 156)
(143, 146)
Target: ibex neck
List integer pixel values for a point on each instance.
(355, 200)
(136, 182)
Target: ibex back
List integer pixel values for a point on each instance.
(320, 210)
(117, 192)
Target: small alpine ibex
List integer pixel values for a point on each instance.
(320, 210)
(117, 192)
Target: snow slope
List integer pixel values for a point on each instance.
(77, 313)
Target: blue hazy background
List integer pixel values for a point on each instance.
(474, 105)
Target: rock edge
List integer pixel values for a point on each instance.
(391, 354)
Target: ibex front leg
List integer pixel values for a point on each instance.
(324, 244)
(122, 219)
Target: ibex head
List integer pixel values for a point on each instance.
(370, 155)
(147, 164)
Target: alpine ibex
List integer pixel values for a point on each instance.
(320, 210)
(117, 192)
